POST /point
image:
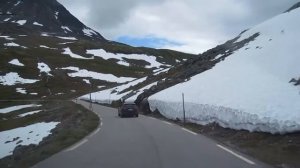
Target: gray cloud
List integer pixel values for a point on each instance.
(199, 24)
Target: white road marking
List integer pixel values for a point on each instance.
(167, 122)
(76, 145)
(95, 132)
(153, 118)
(236, 155)
(189, 131)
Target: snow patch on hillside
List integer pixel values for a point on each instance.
(15, 108)
(21, 22)
(66, 38)
(16, 62)
(13, 78)
(37, 24)
(21, 90)
(31, 134)
(95, 75)
(88, 32)
(11, 44)
(29, 113)
(66, 29)
(68, 51)
(106, 55)
(7, 38)
(248, 90)
(44, 68)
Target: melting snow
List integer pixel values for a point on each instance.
(45, 35)
(15, 108)
(17, 3)
(69, 52)
(29, 113)
(88, 32)
(16, 62)
(67, 38)
(21, 90)
(56, 15)
(43, 46)
(7, 19)
(44, 68)
(37, 24)
(105, 55)
(31, 134)
(66, 29)
(95, 75)
(7, 37)
(87, 81)
(11, 44)
(13, 78)
(21, 22)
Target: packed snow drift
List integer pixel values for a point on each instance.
(251, 88)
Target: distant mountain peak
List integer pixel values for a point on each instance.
(297, 5)
(42, 16)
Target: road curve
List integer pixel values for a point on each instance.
(145, 142)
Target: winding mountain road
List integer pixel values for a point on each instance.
(145, 142)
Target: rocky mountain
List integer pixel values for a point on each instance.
(35, 17)
(48, 53)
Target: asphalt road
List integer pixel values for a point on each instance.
(145, 142)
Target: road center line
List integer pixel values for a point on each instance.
(77, 145)
(189, 131)
(236, 155)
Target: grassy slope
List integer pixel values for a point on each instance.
(76, 123)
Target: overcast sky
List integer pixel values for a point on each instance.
(186, 25)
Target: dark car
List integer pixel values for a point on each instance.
(128, 110)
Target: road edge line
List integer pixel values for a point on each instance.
(189, 131)
(236, 155)
(76, 145)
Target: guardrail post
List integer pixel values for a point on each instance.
(183, 108)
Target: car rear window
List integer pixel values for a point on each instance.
(129, 106)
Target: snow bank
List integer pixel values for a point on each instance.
(95, 75)
(13, 78)
(106, 55)
(249, 90)
(16, 62)
(31, 134)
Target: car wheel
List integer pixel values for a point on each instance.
(137, 115)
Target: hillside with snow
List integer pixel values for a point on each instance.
(255, 88)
